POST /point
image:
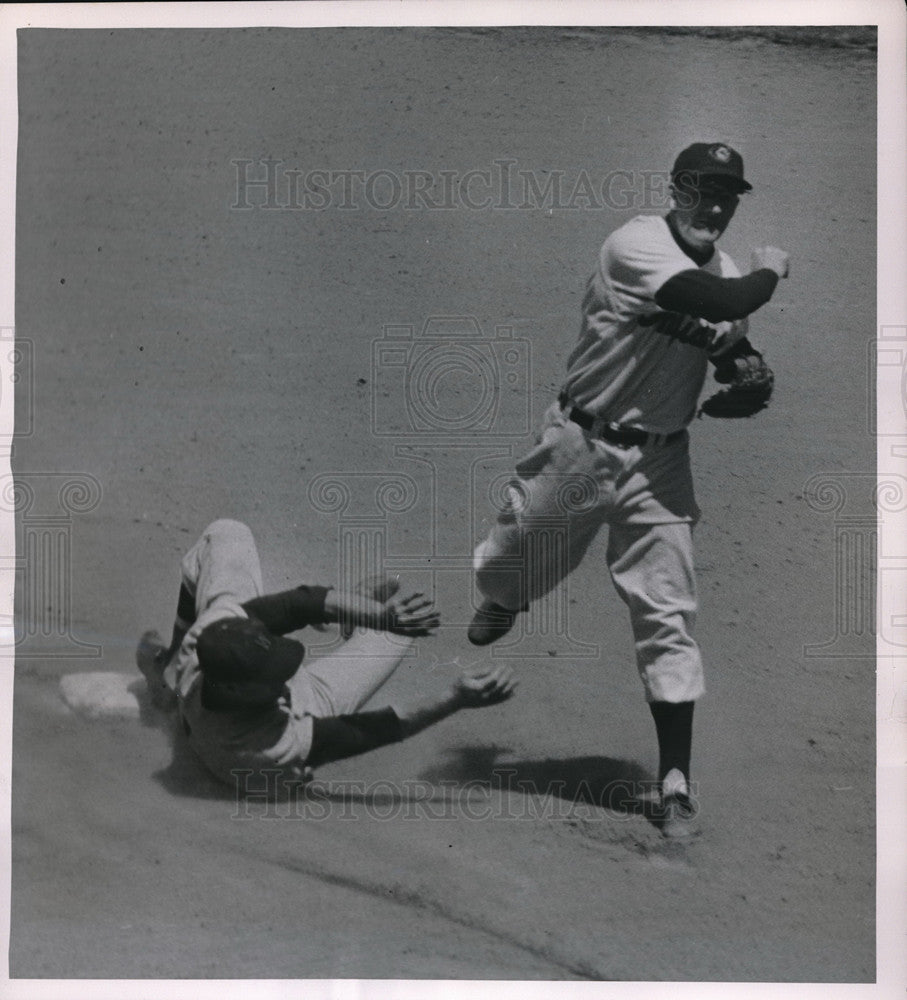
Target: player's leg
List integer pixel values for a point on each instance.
(674, 729)
(152, 652)
(151, 657)
(553, 509)
(343, 681)
(652, 569)
(222, 565)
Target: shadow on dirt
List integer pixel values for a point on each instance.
(185, 775)
(612, 783)
(470, 773)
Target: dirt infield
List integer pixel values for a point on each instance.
(202, 345)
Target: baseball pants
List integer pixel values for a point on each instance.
(566, 489)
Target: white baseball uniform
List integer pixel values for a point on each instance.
(635, 367)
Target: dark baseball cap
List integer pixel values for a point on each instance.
(240, 652)
(708, 163)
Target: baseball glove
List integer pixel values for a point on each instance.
(749, 383)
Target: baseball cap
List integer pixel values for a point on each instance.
(713, 160)
(241, 651)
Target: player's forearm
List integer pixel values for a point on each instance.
(342, 736)
(419, 714)
(698, 293)
(354, 611)
(339, 737)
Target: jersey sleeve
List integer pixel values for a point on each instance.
(341, 736)
(639, 258)
(713, 298)
(289, 610)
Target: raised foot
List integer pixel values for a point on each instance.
(490, 623)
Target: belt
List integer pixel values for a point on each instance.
(624, 437)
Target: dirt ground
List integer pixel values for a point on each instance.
(194, 360)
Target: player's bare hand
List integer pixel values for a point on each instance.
(728, 338)
(490, 687)
(412, 614)
(773, 258)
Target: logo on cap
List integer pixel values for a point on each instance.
(720, 153)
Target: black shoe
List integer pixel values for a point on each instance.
(490, 623)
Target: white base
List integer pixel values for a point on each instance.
(101, 694)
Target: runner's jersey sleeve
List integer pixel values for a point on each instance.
(634, 363)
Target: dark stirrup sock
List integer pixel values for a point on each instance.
(674, 726)
(185, 616)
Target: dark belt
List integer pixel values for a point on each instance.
(625, 437)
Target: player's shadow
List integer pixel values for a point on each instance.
(185, 775)
(149, 714)
(618, 785)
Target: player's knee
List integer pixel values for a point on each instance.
(227, 528)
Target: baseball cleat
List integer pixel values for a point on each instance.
(151, 658)
(678, 817)
(149, 655)
(676, 811)
(490, 623)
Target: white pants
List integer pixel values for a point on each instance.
(222, 571)
(566, 488)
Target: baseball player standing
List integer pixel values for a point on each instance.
(662, 302)
(245, 701)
